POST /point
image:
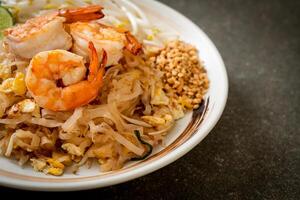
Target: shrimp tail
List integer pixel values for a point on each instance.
(82, 14)
(95, 72)
(132, 44)
(102, 66)
(104, 60)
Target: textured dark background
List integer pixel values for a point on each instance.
(254, 151)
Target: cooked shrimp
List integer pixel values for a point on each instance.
(55, 79)
(112, 40)
(47, 32)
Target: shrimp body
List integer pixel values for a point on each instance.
(47, 32)
(50, 68)
(38, 34)
(104, 37)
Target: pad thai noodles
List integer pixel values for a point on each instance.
(93, 80)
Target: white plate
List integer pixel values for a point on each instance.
(187, 133)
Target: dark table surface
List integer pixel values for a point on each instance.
(254, 151)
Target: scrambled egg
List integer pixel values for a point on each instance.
(55, 163)
(63, 158)
(104, 151)
(158, 120)
(155, 121)
(72, 149)
(54, 171)
(25, 106)
(51, 166)
(15, 85)
(159, 97)
(184, 102)
(56, 168)
(5, 71)
(37, 164)
(177, 112)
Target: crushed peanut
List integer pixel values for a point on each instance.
(185, 79)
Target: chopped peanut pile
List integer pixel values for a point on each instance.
(185, 79)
